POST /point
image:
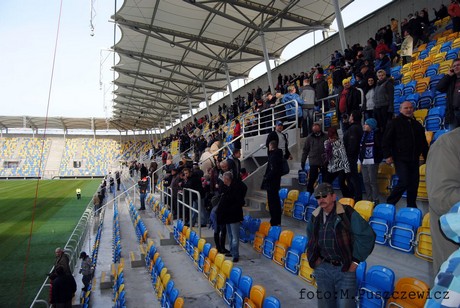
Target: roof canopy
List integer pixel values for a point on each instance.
(37, 123)
(170, 49)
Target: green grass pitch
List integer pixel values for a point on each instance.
(56, 215)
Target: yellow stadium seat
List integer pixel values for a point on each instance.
(260, 236)
(417, 64)
(365, 209)
(407, 77)
(456, 43)
(429, 136)
(163, 273)
(451, 37)
(292, 197)
(441, 40)
(347, 201)
(446, 33)
(198, 249)
(415, 55)
(421, 47)
(439, 57)
(209, 261)
(162, 285)
(215, 268)
(409, 285)
(384, 178)
(223, 275)
(435, 50)
(424, 249)
(182, 236)
(445, 66)
(420, 115)
(422, 84)
(256, 297)
(406, 68)
(420, 73)
(281, 246)
(179, 303)
(305, 271)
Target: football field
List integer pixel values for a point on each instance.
(56, 214)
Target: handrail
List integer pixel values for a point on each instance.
(190, 206)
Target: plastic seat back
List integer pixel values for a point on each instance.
(209, 261)
(223, 275)
(347, 201)
(294, 253)
(364, 208)
(281, 246)
(243, 291)
(283, 192)
(381, 221)
(377, 287)
(361, 274)
(424, 248)
(271, 302)
(409, 285)
(215, 268)
(404, 230)
(269, 241)
(257, 296)
(231, 285)
(305, 271)
(260, 236)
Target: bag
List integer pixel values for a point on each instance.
(285, 167)
(216, 200)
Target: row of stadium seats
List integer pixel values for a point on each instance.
(85, 297)
(237, 290)
(139, 226)
(119, 293)
(116, 242)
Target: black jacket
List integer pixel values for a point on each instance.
(447, 85)
(230, 208)
(274, 136)
(274, 166)
(404, 140)
(352, 141)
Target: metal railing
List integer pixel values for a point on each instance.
(181, 200)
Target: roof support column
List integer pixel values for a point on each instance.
(172, 123)
(267, 62)
(206, 101)
(189, 101)
(338, 15)
(180, 115)
(229, 84)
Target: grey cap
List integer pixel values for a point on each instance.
(323, 189)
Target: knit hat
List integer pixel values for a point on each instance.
(372, 123)
(346, 80)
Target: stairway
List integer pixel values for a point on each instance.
(53, 163)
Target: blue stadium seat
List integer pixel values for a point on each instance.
(242, 291)
(398, 90)
(404, 230)
(271, 302)
(409, 88)
(244, 229)
(434, 81)
(446, 46)
(172, 298)
(440, 99)
(312, 205)
(269, 241)
(432, 70)
(231, 285)
(283, 194)
(377, 287)
(361, 274)
(381, 221)
(397, 102)
(203, 256)
(300, 205)
(426, 100)
(413, 98)
(452, 54)
(424, 53)
(298, 246)
(435, 119)
(166, 293)
(253, 228)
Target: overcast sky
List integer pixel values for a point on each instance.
(28, 33)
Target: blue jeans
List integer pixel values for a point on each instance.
(143, 196)
(336, 289)
(233, 232)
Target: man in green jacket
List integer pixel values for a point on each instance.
(338, 240)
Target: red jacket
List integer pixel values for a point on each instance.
(454, 10)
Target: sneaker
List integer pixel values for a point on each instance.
(228, 254)
(235, 260)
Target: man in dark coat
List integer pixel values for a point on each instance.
(64, 287)
(272, 179)
(352, 141)
(281, 140)
(314, 150)
(230, 211)
(403, 142)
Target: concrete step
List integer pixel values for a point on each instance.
(255, 203)
(256, 213)
(136, 260)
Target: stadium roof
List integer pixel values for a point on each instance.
(169, 49)
(54, 123)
